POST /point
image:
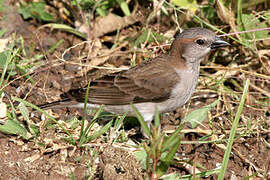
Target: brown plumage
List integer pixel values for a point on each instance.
(166, 81)
(143, 83)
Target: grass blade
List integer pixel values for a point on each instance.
(157, 118)
(43, 112)
(82, 133)
(162, 169)
(171, 140)
(142, 122)
(66, 28)
(124, 6)
(233, 131)
(96, 134)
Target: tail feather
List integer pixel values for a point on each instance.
(58, 104)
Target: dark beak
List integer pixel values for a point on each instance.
(219, 43)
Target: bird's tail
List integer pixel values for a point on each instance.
(57, 104)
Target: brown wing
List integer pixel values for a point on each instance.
(101, 91)
(150, 81)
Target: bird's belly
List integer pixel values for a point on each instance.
(183, 90)
(179, 98)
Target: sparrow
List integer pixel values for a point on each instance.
(165, 82)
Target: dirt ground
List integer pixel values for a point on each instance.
(49, 157)
(24, 160)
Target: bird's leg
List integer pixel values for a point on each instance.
(148, 119)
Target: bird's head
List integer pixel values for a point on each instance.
(195, 43)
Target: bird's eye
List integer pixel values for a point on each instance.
(200, 41)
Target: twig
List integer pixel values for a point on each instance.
(247, 31)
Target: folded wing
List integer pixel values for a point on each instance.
(146, 82)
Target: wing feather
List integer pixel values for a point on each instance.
(150, 81)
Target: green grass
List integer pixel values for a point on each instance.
(233, 132)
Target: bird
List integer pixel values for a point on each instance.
(165, 82)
